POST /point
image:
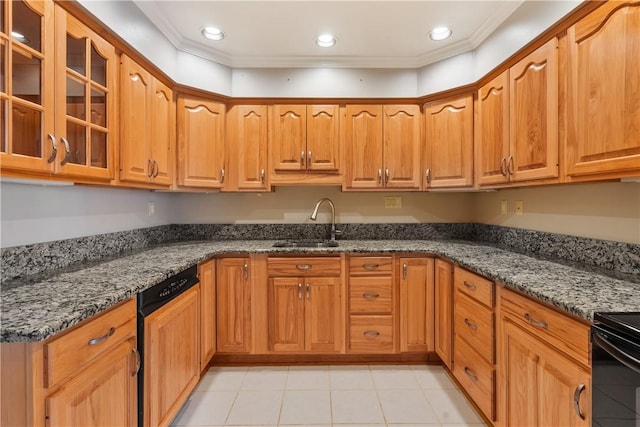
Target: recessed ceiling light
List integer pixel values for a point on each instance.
(440, 33)
(212, 33)
(19, 37)
(325, 40)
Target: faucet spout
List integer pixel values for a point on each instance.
(314, 216)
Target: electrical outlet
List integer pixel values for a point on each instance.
(519, 207)
(152, 208)
(504, 207)
(393, 202)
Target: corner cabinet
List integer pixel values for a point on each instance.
(416, 304)
(443, 311)
(201, 143)
(207, 277)
(233, 309)
(603, 98)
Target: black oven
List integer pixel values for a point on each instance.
(615, 358)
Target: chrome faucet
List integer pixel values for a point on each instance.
(314, 215)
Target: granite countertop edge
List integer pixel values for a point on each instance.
(39, 310)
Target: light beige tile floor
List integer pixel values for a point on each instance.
(328, 396)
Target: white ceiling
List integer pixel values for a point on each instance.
(370, 34)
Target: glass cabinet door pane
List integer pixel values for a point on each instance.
(98, 149)
(26, 125)
(98, 107)
(27, 25)
(26, 78)
(76, 135)
(75, 99)
(76, 55)
(98, 67)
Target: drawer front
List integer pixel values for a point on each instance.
(371, 334)
(566, 334)
(370, 295)
(475, 323)
(476, 376)
(370, 265)
(304, 266)
(68, 353)
(477, 287)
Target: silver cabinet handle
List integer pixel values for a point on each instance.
(245, 271)
(386, 176)
(54, 153)
(138, 361)
(379, 176)
(67, 151)
(308, 289)
(303, 266)
(404, 271)
(470, 286)
(156, 168)
(470, 375)
(105, 337)
(150, 166)
(262, 176)
(503, 166)
(309, 158)
(576, 400)
(302, 158)
(534, 322)
(222, 176)
(511, 165)
(371, 333)
(299, 290)
(370, 296)
(427, 176)
(470, 324)
(370, 266)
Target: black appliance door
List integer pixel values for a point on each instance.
(615, 379)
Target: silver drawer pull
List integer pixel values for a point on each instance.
(470, 375)
(371, 333)
(303, 266)
(534, 322)
(367, 295)
(470, 286)
(576, 400)
(105, 337)
(138, 361)
(54, 149)
(470, 324)
(370, 266)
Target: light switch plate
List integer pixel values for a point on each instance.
(152, 208)
(394, 202)
(504, 207)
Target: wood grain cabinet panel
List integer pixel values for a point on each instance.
(323, 138)
(363, 146)
(289, 136)
(247, 143)
(448, 154)
(402, 146)
(443, 310)
(416, 304)
(207, 277)
(603, 101)
(233, 309)
(286, 314)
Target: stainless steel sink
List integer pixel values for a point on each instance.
(306, 244)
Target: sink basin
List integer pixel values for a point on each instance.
(306, 244)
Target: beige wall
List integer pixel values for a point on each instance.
(609, 211)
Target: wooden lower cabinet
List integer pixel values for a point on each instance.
(416, 304)
(207, 276)
(443, 311)
(233, 312)
(172, 357)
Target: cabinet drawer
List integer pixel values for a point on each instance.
(370, 295)
(476, 376)
(371, 334)
(370, 265)
(475, 323)
(68, 353)
(477, 287)
(566, 334)
(304, 266)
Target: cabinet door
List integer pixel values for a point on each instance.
(323, 138)
(250, 141)
(86, 70)
(323, 324)
(289, 136)
(104, 394)
(233, 308)
(200, 143)
(402, 146)
(492, 132)
(27, 87)
(533, 115)
(449, 143)
(603, 134)
(444, 311)
(162, 131)
(416, 304)
(207, 276)
(363, 146)
(286, 314)
(135, 116)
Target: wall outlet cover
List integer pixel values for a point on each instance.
(394, 202)
(504, 207)
(519, 207)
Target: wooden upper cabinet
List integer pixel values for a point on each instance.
(533, 115)
(491, 132)
(289, 136)
(448, 155)
(603, 94)
(247, 142)
(201, 143)
(402, 146)
(147, 126)
(363, 146)
(323, 138)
